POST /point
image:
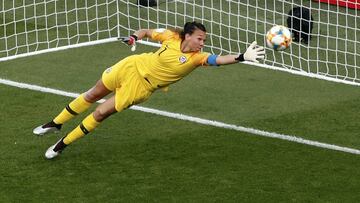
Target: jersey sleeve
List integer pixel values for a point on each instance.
(161, 34)
(200, 59)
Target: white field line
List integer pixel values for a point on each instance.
(193, 119)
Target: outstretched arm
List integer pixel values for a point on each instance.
(252, 53)
(143, 33)
(226, 59)
(138, 35)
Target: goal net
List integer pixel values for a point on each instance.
(29, 27)
(333, 53)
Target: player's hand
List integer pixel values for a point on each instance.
(254, 52)
(129, 40)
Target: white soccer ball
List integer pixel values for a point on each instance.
(278, 38)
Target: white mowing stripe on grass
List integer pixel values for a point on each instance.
(194, 119)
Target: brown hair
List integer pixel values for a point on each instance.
(189, 28)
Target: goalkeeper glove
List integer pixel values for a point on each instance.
(129, 40)
(252, 53)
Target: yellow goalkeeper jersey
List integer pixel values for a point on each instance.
(168, 64)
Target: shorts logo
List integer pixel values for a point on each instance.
(108, 70)
(182, 59)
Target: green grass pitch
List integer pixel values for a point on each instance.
(137, 157)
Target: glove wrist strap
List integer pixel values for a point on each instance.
(134, 36)
(240, 58)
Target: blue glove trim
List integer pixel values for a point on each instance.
(212, 60)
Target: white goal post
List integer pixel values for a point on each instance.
(29, 27)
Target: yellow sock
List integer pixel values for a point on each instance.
(76, 107)
(87, 125)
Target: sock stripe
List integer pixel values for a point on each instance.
(71, 111)
(82, 127)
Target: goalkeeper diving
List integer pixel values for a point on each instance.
(133, 79)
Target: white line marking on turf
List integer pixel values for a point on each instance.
(193, 119)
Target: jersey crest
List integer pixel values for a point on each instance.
(182, 59)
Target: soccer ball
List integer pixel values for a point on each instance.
(278, 38)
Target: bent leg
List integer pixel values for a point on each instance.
(77, 106)
(82, 103)
(74, 108)
(103, 111)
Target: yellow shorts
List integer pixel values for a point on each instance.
(124, 79)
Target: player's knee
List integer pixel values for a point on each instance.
(91, 97)
(96, 93)
(101, 114)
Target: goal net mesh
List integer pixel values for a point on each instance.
(28, 26)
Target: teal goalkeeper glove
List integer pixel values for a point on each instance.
(252, 53)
